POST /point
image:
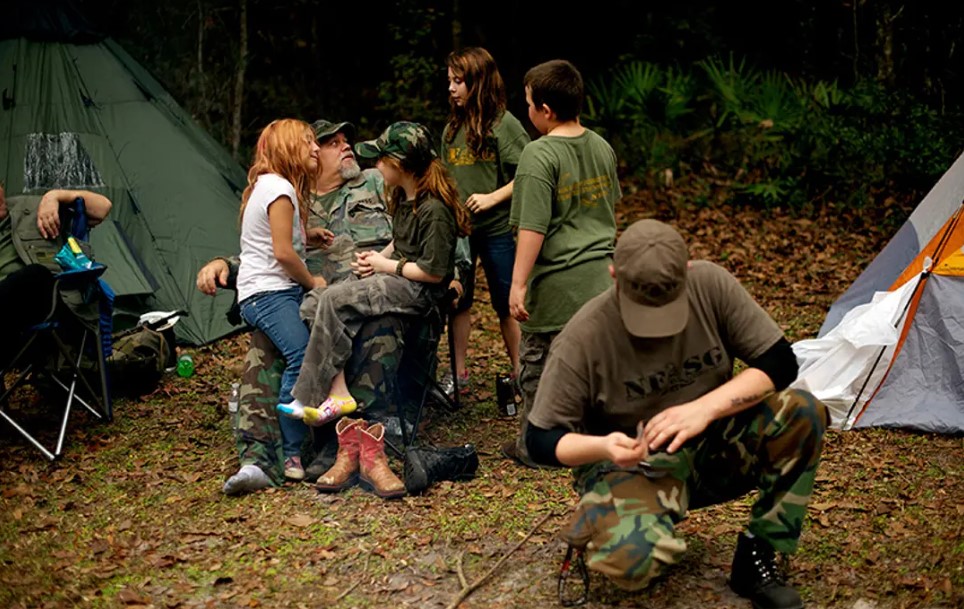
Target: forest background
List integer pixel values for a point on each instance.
(848, 102)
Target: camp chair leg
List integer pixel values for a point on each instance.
(106, 403)
(23, 432)
(455, 375)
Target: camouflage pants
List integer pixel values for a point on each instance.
(340, 312)
(533, 352)
(625, 520)
(371, 373)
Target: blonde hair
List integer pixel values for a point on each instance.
(283, 149)
(432, 180)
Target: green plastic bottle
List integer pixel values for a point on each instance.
(185, 365)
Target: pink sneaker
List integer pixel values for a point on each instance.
(293, 469)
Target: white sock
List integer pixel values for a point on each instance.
(249, 478)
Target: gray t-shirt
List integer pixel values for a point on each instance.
(599, 378)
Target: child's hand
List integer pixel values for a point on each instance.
(319, 282)
(364, 264)
(319, 237)
(479, 202)
(517, 298)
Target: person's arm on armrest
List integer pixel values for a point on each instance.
(97, 207)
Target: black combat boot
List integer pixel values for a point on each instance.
(425, 466)
(755, 576)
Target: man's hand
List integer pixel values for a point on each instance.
(319, 237)
(48, 216)
(212, 275)
(517, 298)
(623, 450)
(479, 202)
(318, 282)
(679, 424)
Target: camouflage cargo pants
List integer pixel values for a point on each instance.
(533, 352)
(625, 520)
(340, 312)
(371, 373)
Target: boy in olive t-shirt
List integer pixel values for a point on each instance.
(563, 204)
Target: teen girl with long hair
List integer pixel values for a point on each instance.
(409, 276)
(481, 145)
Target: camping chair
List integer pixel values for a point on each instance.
(418, 377)
(56, 348)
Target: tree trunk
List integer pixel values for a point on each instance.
(885, 44)
(456, 25)
(201, 81)
(239, 81)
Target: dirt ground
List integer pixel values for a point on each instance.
(133, 516)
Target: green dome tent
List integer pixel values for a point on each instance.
(78, 112)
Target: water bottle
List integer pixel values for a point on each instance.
(185, 365)
(234, 401)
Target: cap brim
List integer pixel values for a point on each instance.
(654, 322)
(368, 150)
(347, 128)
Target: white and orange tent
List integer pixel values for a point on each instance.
(891, 351)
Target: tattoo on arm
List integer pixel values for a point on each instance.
(748, 400)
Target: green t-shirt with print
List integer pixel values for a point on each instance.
(566, 188)
(486, 173)
(9, 258)
(426, 236)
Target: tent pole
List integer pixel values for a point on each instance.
(920, 282)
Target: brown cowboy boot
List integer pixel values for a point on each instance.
(375, 473)
(344, 473)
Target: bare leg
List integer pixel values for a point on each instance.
(512, 336)
(461, 327)
(339, 387)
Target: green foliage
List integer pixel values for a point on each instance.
(413, 91)
(783, 141)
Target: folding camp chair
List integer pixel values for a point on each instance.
(420, 362)
(57, 347)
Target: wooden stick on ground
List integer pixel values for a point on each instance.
(469, 589)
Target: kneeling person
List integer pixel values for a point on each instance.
(648, 366)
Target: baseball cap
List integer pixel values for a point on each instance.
(325, 129)
(410, 143)
(650, 264)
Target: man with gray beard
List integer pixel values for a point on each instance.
(347, 213)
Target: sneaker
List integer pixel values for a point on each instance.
(755, 576)
(293, 469)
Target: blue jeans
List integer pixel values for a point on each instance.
(497, 255)
(276, 314)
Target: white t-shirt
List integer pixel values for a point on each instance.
(260, 271)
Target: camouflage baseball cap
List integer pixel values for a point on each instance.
(410, 143)
(325, 129)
